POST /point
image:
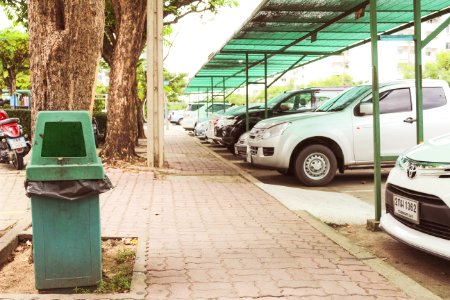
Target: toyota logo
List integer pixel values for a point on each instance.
(411, 171)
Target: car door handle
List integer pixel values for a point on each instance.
(409, 120)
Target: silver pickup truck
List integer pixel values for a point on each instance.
(339, 134)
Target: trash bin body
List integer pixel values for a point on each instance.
(66, 233)
(66, 242)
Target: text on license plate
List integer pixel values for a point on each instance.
(407, 209)
(17, 143)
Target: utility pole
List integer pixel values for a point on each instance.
(155, 88)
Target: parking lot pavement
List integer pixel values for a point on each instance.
(14, 205)
(327, 206)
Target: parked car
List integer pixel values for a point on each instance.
(291, 102)
(339, 134)
(418, 198)
(219, 118)
(191, 118)
(192, 108)
(200, 130)
(241, 147)
(176, 116)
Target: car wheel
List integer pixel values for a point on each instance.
(180, 121)
(315, 165)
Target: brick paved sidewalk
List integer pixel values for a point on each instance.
(211, 234)
(220, 237)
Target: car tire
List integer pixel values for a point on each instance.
(180, 121)
(315, 165)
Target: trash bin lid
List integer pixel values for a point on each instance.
(64, 148)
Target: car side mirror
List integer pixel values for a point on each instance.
(366, 109)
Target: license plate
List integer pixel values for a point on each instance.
(249, 155)
(407, 209)
(17, 143)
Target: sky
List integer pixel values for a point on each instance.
(4, 22)
(195, 37)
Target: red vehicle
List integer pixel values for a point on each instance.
(13, 146)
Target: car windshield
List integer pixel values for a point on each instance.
(344, 99)
(194, 106)
(241, 109)
(277, 99)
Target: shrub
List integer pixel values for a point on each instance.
(25, 119)
(101, 118)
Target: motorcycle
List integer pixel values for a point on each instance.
(13, 146)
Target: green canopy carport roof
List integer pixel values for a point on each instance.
(285, 34)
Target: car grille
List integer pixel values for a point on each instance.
(421, 197)
(425, 225)
(254, 150)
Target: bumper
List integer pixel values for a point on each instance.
(241, 150)
(189, 124)
(416, 239)
(431, 233)
(267, 153)
(229, 134)
(200, 134)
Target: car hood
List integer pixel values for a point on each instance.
(434, 150)
(267, 123)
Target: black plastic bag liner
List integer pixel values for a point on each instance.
(68, 189)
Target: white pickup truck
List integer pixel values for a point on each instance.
(339, 134)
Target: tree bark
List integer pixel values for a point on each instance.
(65, 44)
(121, 136)
(11, 82)
(140, 119)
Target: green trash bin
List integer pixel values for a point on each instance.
(65, 219)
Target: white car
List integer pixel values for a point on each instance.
(176, 116)
(339, 134)
(200, 130)
(418, 198)
(241, 148)
(191, 118)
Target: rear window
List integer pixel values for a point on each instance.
(194, 107)
(216, 107)
(433, 97)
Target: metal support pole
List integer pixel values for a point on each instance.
(376, 109)
(265, 87)
(212, 97)
(223, 89)
(418, 69)
(247, 124)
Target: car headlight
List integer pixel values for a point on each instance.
(274, 131)
(401, 162)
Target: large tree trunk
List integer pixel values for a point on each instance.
(65, 44)
(140, 119)
(120, 139)
(11, 82)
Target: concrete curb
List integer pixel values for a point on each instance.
(10, 240)
(402, 281)
(138, 284)
(399, 279)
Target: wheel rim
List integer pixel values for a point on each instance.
(316, 166)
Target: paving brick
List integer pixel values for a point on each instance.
(210, 233)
